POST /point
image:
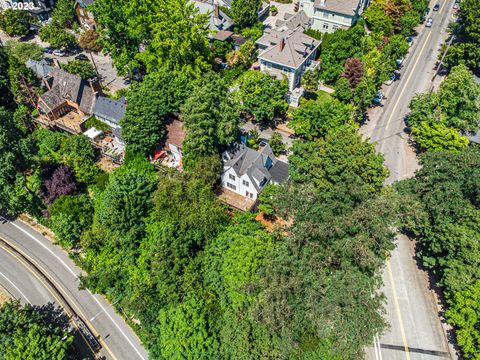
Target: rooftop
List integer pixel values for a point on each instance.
(175, 133)
(110, 109)
(347, 7)
(287, 47)
(216, 23)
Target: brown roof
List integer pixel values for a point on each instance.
(175, 133)
(223, 35)
(66, 86)
(347, 7)
(297, 47)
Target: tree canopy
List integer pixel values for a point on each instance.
(149, 102)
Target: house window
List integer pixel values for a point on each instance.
(231, 177)
(325, 26)
(249, 194)
(231, 186)
(245, 183)
(335, 27)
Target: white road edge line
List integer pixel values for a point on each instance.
(15, 287)
(76, 276)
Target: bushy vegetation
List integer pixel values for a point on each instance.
(443, 214)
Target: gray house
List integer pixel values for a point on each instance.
(110, 111)
(39, 68)
(287, 53)
(218, 20)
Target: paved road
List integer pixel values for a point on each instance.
(416, 330)
(117, 338)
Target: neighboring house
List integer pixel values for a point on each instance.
(174, 141)
(287, 53)
(67, 93)
(85, 17)
(218, 20)
(40, 68)
(330, 15)
(110, 111)
(41, 8)
(246, 171)
(293, 21)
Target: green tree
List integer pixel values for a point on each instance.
(377, 18)
(64, 13)
(15, 158)
(438, 137)
(276, 143)
(79, 154)
(341, 155)
(84, 69)
(464, 315)
(244, 12)
(27, 333)
(465, 49)
(23, 51)
(149, 102)
(70, 216)
(311, 79)
(459, 99)
(261, 96)
(315, 119)
(179, 40)
(424, 108)
(57, 36)
(15, 22)
(211, 120)
(337, 265)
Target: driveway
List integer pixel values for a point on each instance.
(104, 63)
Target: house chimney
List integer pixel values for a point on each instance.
(216, 10)
(282, 44)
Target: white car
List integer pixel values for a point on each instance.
(58, 53)
(429, 22)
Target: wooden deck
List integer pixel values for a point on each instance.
(235, 200)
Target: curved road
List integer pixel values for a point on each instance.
(416, 331)
(22, 281)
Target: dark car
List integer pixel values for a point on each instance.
(81, 57)
(48, 50)
(436, 7)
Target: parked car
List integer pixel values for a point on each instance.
(377, 100)
(436, 7)
(58, 53)
(410, 41)
(429, 22)
(425, 14)
(392, 78)
(48, 50)
(455, 6)
(81, 57)
(400, 62)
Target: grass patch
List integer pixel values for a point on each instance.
(97, 124)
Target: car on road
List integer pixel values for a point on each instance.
(436, 7)
(81, 57)
(410, 41)
(377, 100)
(395, 76)
(429, 22)
(58, 53)
(48, 50)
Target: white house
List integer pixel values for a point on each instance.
(246, 171)
(330, 15)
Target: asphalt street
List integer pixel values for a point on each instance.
(117, 339)
(416, 330)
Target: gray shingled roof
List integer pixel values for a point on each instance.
(279, 172)
(248, 161)
(296, 50)
(39, 68)
(223, 22)
(112, 110)
(347, 7)
(66, 86)
(294, 21)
